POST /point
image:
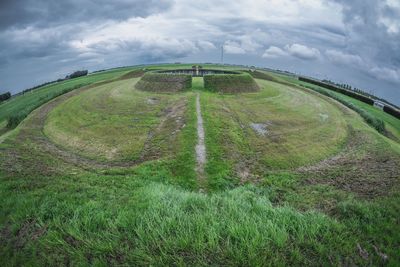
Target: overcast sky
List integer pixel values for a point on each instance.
(351, 41)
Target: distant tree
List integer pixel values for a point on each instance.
(77, 74)
(5, 96)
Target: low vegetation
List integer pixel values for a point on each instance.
(17, 108)
(76, 74)
(14, 119)
(5, 96)
(230, 83)
(163, 82)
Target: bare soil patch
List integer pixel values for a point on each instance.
(200, 147)
(368, 176)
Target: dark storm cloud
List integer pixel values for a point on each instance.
(351, 41)
(43, 13)
(368, 33)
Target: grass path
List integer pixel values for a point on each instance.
(200, 147)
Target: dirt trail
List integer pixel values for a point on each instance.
(200, 147)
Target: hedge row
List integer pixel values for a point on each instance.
(392, 111)
(5, 96)
(230, 83)
(375, 122)
(355, 95)
(162, 82)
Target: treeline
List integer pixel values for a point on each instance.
(77, 74)
(344, 91)
(366, 99)
(5, 96)
(358, 90)
(392, 111)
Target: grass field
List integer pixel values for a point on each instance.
(106, 176)
(29, 101)
(289, 121)
(391, 123)
(115, 120)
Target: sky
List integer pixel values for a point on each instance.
(349, 41)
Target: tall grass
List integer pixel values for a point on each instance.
(238, 227)
(19, 115)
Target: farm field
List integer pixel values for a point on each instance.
(106, 174)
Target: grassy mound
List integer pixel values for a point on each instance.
(112, 114)
(230, 83)
(18, 108)
(162, 82)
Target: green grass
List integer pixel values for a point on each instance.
(294, 122)
(392, 124)
(259, 209)
(20, 106)
(114, 121)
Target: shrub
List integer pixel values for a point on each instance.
(5, 96)
(392, 111)
(15, 119)
(77, 74)
(230, 83)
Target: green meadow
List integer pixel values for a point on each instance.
(105, 175)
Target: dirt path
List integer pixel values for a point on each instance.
(200, 147)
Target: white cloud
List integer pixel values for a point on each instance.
(392, 25)
(186, 29)
(386, 74)
(231, 47)
(274, 52)
(294, 50)
(205, 45)
(340, 57)
(303, 52)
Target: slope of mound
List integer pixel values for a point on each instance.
(276, 128)
(162, 82)
(230, 83)
(117, 122)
